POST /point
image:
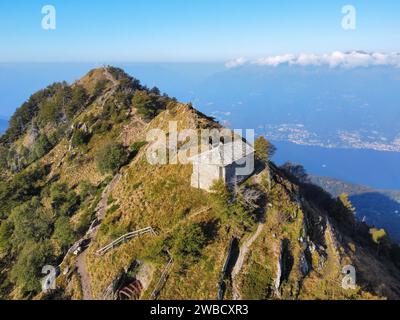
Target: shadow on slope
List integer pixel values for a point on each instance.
(379, 210)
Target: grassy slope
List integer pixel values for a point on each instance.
(161, 197)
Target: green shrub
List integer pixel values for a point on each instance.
(84, 222)
(57, 135)
(155, 250)
(110, 199)
(264, 150)
(22, 187)
(101, 127)
(41, 147)
(100, 87)
(80, 137)
(296, 172)
(90, 119)
(22, 117)
(113, 208)
(135, 148)
(187, 242)
(31, 222)
(147, 104)
(27, 271)
(342, 208)
(258, 283)
(3, 157)
(63, 200)
(63, 232)
(378, 235)
(6, 231)
(79, 98)
(230, 210)
(52, 110)
(221, 198)
(111, 157)
(86, 190)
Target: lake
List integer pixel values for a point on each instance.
(372, 168)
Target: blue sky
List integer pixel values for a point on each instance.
(191, 31)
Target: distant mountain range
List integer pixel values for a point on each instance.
(380, 208)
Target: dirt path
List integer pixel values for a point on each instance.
(101, 208)
(103, 99)
(109, 76)
(240, 261)
(80, 261)
(80, 264)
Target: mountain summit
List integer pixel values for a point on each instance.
(78, 194)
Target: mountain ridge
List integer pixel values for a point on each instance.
(60, 199)
(380, 208)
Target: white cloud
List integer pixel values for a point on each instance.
(335, 59)
(235, 63)
(275, 61)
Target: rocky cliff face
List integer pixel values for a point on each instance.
(82, 150)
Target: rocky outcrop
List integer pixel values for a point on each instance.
(284, 265)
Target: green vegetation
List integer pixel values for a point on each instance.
(370, 203)
(63, 105)
(116, 110)
(233, 210)
(111, 157)
(79, 98)
(264, 150)
(26, 273)
(135, 148)
(379, 236)
(150, 103)
(347, 205)
(80, 137)
(33, 234)
(23, 116)
(56, 106)
(6, 231)
(64, 233)
(342, 209)
(40, 218)
(100, 87)
(101, 127)
(126, 82)
(63, 200)
(186, 243)
(258, 283)
(41, 147)
(16, 159)
(296, 172)
(22, 187)
(86, 190)
(31, 222)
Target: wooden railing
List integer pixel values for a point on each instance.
(162, 280)
(221, 282)
(124, 238)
